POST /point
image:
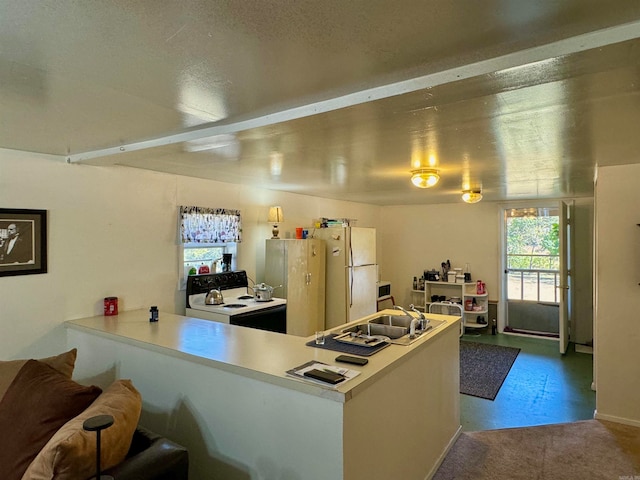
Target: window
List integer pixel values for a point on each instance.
(206, 234)
(533, 260)
(198, 255)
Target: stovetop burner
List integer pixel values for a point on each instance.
(237, 297)
(234, 305)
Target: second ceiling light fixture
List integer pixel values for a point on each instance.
(472, 196)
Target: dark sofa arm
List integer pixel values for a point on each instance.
(152, 457)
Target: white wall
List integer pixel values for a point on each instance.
(617, 325)
(113, 232)
(417, 238)
(421, 237)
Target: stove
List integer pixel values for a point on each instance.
(235, 302)
(239, 307)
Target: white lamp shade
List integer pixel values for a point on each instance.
(275, 215)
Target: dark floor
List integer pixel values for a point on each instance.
(543, 387)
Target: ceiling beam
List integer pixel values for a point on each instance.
(587, 41)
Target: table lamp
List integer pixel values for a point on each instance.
(275, 216)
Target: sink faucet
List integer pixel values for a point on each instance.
(423, 320)
(414, 321)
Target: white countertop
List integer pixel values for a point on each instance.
(253, 353)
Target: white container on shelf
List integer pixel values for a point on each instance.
(451, 277)
(459, 278)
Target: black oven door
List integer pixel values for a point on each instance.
(273, 319)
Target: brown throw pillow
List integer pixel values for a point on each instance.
(71, 452)
(37, 403)
(64, 363)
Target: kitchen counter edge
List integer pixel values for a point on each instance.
(249, 352)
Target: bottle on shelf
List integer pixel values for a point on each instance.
(415, 283)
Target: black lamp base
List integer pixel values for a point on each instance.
(97, 424)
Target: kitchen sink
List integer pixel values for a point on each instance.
(395, 320)
(396, 327)
(390, 331)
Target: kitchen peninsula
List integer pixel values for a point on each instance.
(222, 391)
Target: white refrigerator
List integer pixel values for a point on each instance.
(351, 273)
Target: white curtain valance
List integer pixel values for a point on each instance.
(210, 225)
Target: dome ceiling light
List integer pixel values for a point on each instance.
(472, 196)
(424, 177)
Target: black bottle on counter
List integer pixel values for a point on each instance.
(153, 314)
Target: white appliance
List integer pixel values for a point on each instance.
(240, 307)
(384, 290)
(352, 273)
(385, 299)
(299, 266)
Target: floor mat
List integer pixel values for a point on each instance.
(483, 368)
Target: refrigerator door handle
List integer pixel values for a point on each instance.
(350, 288)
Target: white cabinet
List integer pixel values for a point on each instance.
(474, 304)
(299, 266)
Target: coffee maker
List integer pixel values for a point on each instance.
(226, 262)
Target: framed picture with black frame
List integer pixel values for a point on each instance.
(23, 241)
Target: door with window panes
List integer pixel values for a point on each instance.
(533, 278)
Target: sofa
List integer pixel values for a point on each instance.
(42, 417)
(152, 457)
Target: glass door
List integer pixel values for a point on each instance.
(532, 270)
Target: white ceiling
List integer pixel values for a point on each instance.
(332, 98)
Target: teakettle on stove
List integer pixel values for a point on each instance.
(214, 297)
(263, 292)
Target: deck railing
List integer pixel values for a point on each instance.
(534, 283)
